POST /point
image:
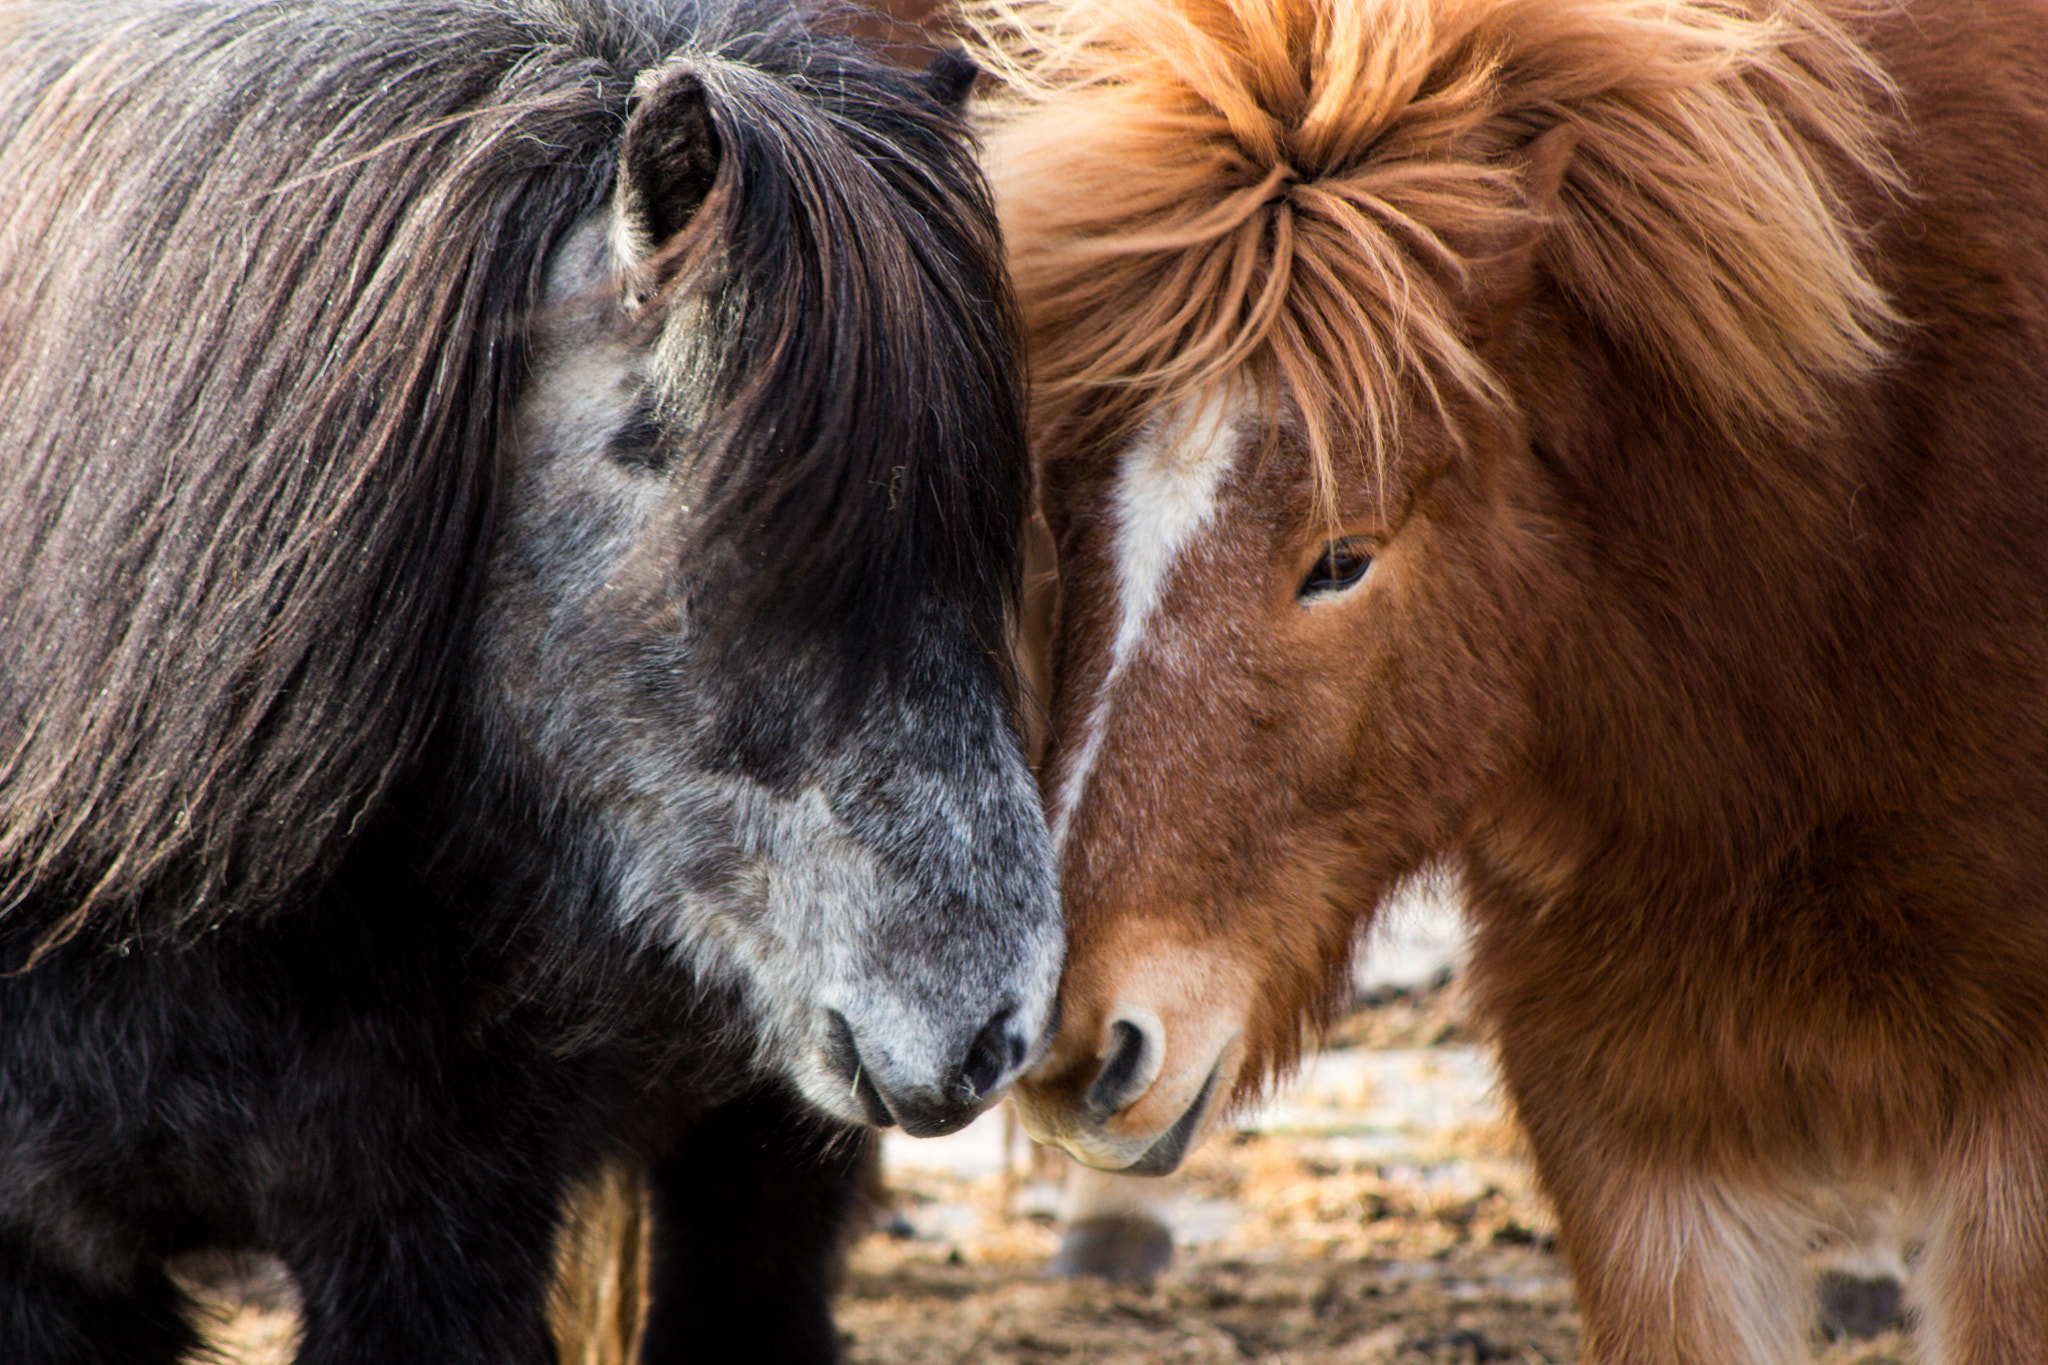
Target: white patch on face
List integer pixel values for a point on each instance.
(1166, 491)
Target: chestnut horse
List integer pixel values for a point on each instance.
(1601, 447)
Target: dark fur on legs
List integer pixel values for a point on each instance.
(507, 521)
(72, 1321)
(751, 1217)
(406, 1165)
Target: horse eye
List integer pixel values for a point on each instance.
(1344, 562)
(637, 445)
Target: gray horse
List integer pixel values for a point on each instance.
(508, 525)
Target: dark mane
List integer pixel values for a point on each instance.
(266, 277)
(853, 265)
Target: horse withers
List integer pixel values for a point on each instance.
(510, 520)
(1602, 448)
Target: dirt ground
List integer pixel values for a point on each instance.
(1330, 1267)
(1445, 1255)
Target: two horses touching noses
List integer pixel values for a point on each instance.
(509, 523)
(1598, 448)
(508, 527)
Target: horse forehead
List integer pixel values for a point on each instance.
(1166, 489)
(1168, 485)
(581, 373)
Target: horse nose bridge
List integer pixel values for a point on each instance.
(1142, 748)
(1142, 850)
(969, 912)
(952, 815)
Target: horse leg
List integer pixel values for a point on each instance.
(453, 1270)
(1116, 1227)
(1672, 1266)
(51, 1316)
(600, 1298)
(751, 1215)
(1980, 1294)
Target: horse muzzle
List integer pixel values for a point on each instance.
(1127, 1107)
(930, 1092)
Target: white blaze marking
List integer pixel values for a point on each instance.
(1166, 490)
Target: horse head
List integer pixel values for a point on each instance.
(1317, 309)
(745, 611)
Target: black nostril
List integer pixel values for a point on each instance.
(843, 1053)
(839, 1044)
(993, 1054)
(1126, 1058)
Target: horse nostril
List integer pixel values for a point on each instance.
(1125, 1074)
(842, 1053)
(995, 1052)
(839, 1045)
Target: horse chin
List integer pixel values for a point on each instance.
(1164, 1156)
(859, 1102)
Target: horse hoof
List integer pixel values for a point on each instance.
(1119, 1247)
(1853, 1306)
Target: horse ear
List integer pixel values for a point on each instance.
(668, 159)
(1503, 271)
(950, 78)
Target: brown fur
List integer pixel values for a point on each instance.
(1702, 450)
(1319, 179)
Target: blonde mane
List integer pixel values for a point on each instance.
(1201, 193)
